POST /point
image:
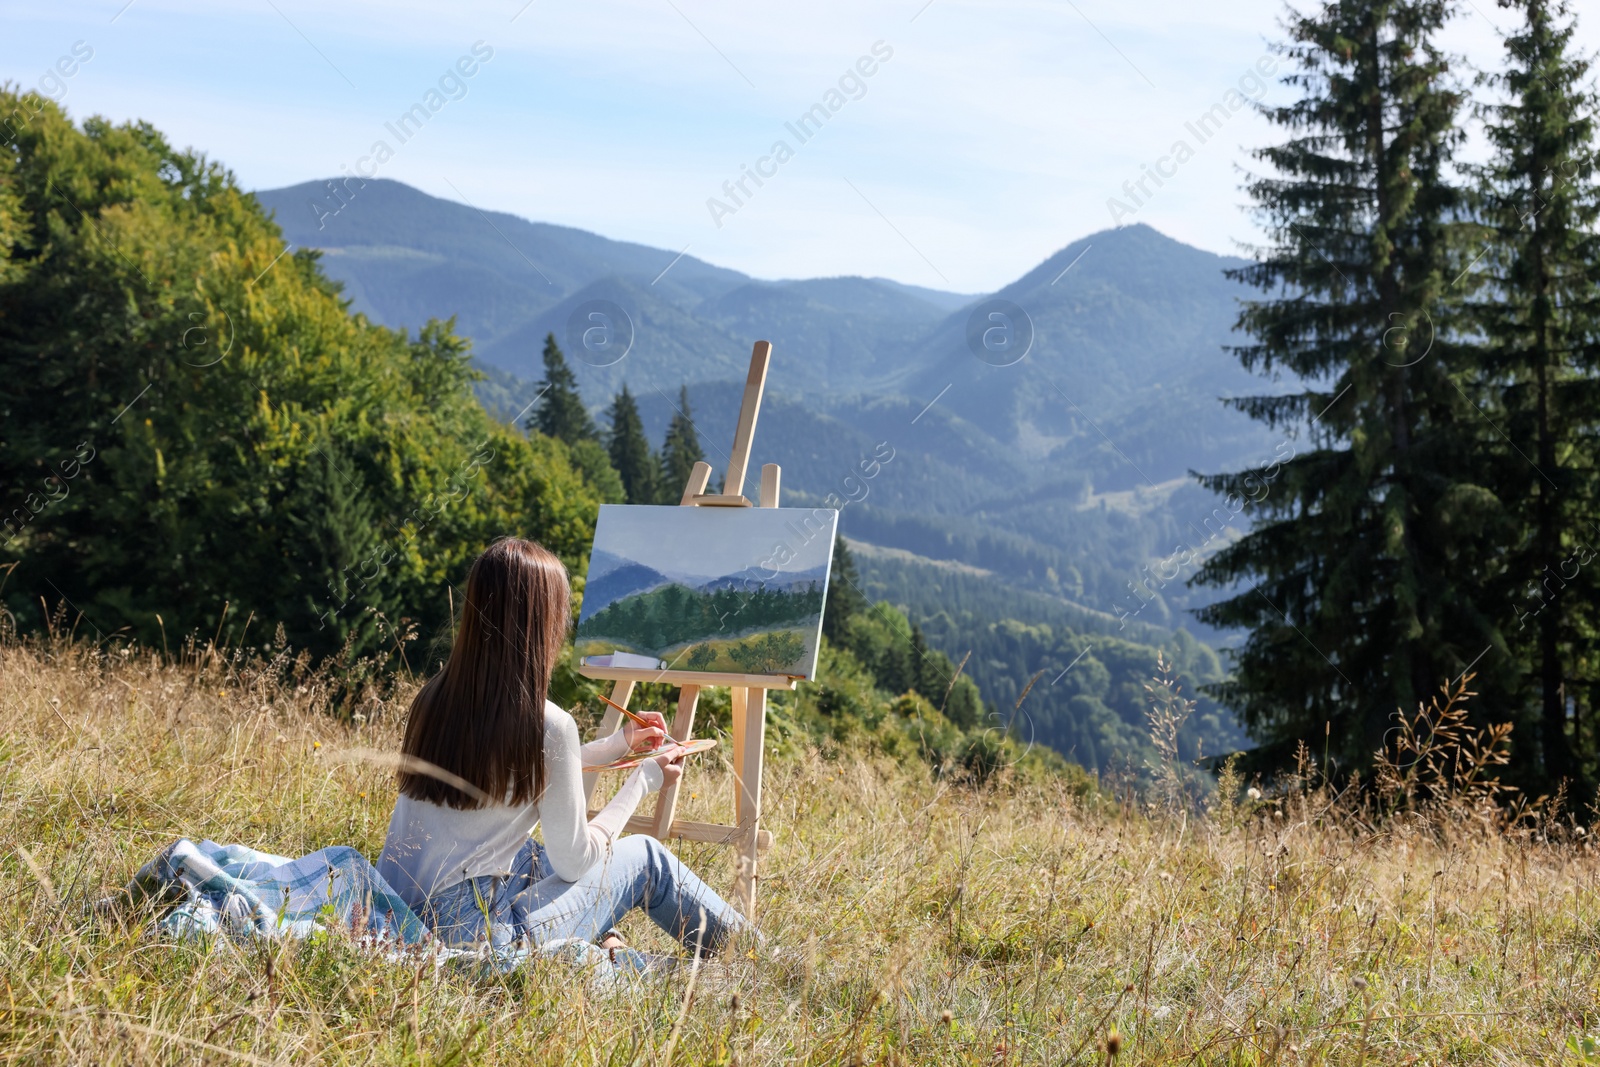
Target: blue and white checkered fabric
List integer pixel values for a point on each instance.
(207, 889)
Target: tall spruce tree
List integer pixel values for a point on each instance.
(1357, 581)
(631, 454)
(679, 452)
(844, 594)
(560, 412)
(1540, 317)
(328, 535)
(932, 670)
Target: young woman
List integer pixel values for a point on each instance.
(486, 758)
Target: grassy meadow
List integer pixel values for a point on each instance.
(918, 920)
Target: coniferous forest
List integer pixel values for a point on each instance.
(1436, 518)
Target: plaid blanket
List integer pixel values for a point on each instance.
(204, 889)
(239, 891)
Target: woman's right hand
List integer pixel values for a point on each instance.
(671, 769)
(644, 738)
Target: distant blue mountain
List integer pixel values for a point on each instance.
(754, 577)
(627, 580)
(619, 578)
(602, 563)
(404, 257)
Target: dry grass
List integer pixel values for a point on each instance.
(928, 923)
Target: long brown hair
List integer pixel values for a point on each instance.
(481, 718)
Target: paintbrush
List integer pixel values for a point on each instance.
(635, 717)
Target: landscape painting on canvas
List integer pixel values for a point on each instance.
(707, 589)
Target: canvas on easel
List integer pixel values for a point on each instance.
(712, 554)
(707, 590)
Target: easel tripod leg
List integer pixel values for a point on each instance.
(749, 737)
(682, 730)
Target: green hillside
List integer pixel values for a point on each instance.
(672, 617)
(197, 437)
(1087, 700)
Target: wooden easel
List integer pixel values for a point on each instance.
(749, 691)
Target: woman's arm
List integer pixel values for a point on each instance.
(604, 749)
(572, 842)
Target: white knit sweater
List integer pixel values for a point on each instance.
(432, 847)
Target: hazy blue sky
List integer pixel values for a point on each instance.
(993, 135)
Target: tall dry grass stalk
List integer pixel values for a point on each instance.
(923, 923)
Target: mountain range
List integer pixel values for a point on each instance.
(405, 256)
(611, 578)
(1067, 471)
(1061, 474)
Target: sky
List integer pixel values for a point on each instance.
(987, 136)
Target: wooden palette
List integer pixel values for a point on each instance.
(672, 748)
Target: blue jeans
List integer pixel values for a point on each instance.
(532, 904)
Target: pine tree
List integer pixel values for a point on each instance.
(844, 594)
(1357, 581)
(679, 452)
(560, 412)
(920, 672)
(630, 451)
(331, 543)
(932, 670)
(1541, 321)
(893, 668)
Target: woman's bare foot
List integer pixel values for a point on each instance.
(611, 941)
